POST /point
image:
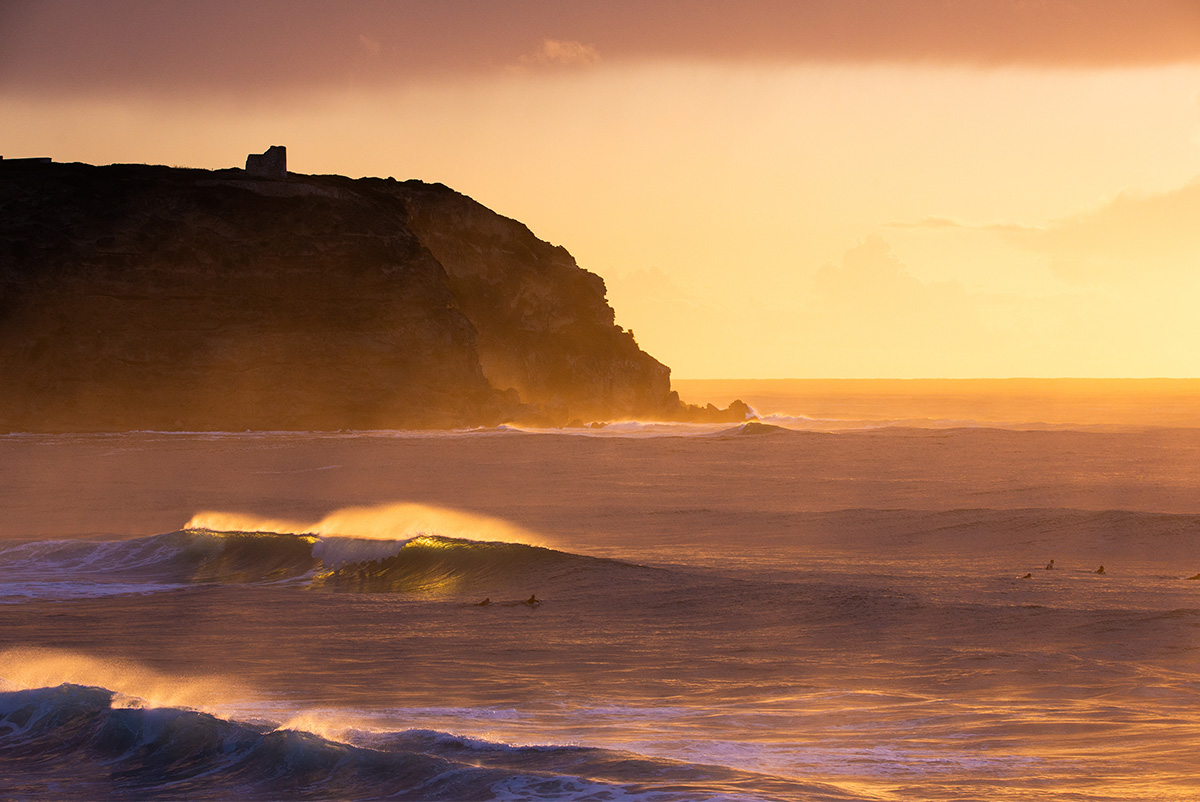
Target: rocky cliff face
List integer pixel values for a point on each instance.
(150, 297)
(545, 328)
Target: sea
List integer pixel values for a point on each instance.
(873, 590)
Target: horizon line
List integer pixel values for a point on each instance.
(938, 378)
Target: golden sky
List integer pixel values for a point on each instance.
(772, 188)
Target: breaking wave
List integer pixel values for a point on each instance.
(430, 563)
(387, 522)
(360, 549)
(76, 741)
(84, 568)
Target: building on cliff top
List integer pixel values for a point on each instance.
(272, 164)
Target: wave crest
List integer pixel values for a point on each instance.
(72, 739)
(336, 553)
(433, 564)
(394, 522)
(130, 684)
(76, 741)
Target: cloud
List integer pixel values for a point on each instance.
(870, 315)
(950, 224)
(870, 275)
(234, 47)
(558, 53)
(928, 223)
(870, 305)
(1132, 240)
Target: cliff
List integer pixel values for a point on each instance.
(544, 326)
(140, 297)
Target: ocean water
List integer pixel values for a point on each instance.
(833, 606)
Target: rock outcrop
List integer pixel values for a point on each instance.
(140, 297)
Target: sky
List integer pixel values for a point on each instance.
(770, 188)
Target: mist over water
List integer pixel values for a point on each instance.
(721, 612)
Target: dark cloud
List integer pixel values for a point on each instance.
(233, 46)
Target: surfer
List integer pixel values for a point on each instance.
(1100, 570)
(1050, 565)
(1027, 576)
(533, 600)
(1197, 576)
(484, 603)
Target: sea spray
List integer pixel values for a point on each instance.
(132, 684)
(76, 742)
(400, 521)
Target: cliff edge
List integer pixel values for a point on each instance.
(144, 297)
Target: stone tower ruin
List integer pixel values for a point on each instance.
(272, 164)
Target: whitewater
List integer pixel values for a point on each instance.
(850, 609)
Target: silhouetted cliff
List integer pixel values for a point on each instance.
(134, 296)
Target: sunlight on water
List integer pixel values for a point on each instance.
(135, 685)
(725, 617)
(402, 521)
